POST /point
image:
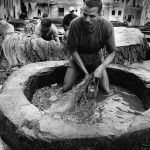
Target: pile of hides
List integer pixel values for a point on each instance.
(20, 49)
(131, 46)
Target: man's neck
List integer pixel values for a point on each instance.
(72, 15)
(93, 28)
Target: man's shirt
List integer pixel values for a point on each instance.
(67, 19)
(79, 39)
(53, 30)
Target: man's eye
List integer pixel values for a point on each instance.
(84, 14)
(92, 16)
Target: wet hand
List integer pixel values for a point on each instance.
(86, 76)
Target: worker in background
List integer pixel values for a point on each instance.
(68, 18)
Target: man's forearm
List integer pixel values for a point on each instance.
(108, 60)
(79, 61)
(99, 70)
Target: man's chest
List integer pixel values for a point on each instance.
(92, 40)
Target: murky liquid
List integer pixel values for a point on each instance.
(118, 107)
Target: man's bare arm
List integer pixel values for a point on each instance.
(106, 62)
(79, 61)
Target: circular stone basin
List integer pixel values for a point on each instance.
(24, 126)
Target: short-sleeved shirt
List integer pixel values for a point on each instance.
(67, 19)
(53, 30)
(91, 42)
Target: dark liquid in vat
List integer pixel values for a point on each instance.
(120, 106)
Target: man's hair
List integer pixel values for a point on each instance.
(45, 26)
(94, 3)
(44, 15)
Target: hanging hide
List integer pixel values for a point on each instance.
(33, 5)
(27, 6)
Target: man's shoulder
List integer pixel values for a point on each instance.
(105, 23)
(66, 16)
(75, 16)
(77, 20)
(104, 20)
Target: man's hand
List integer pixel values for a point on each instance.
(105, 62)
(86, 76)
(98, 71)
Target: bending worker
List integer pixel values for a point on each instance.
(88, 34)
(47, 30)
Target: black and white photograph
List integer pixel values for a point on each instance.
(74, 74)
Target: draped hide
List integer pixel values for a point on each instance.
(20, 49)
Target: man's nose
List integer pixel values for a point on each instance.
(87, 19)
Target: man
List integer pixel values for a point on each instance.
(88, 34)
(45, 15)
(47, 30)
(68, 18)
(23, 16)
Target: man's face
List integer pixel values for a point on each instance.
(72, 12)
(90, 16)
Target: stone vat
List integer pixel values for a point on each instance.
(24, 127)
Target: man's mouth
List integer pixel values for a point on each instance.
(88, 25)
